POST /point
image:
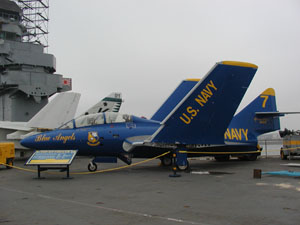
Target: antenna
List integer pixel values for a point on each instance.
(35, 19)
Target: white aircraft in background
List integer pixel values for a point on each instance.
(111, 103)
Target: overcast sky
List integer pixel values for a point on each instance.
(144, 48)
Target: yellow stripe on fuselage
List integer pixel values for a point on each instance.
(242, 64)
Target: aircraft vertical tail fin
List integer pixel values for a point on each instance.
(257, 118)
(203, 115)
(178, 94)
(111, 103)
(58, 111)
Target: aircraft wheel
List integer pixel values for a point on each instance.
(222, 158)
(92, 167)
(184, 168)
(166, 161)
(282, 155)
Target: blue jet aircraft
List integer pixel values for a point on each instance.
(200, 118)
(259, 117)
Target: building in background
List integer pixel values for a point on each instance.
(27, 74)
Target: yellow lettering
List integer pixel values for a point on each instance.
(208, 91)
(64, 139)
(265, 97)
(211, 84)
(233, 134)
(42, 138)
(204, 95)
(239, 134)
(187, 121)
(245, 132)
(227, 134)
(191, 111)
(200, 100)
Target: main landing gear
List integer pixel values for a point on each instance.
(185, 167)
(166, 160)
(177, 160)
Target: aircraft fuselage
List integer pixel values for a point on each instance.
(104, 139)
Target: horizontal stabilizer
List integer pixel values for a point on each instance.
(203, 115)
(271, 114)
(17, 134)
(9, 125)
(57, 112)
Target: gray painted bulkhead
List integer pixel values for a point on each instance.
(27, 74)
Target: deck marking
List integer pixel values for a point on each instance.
(102, 207)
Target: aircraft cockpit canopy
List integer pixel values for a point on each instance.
(96, 119)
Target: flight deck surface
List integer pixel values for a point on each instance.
(145, 194)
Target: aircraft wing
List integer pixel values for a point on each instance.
(111, 103)
(58, 111)
(135, 141)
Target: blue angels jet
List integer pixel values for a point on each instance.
(200, 118)
(257, 118)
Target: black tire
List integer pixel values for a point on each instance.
(222, 158)
(166, 161)
(184, 168)
(9, 162)
(92, 167)
(282, 155)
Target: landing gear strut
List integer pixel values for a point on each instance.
(179, 162)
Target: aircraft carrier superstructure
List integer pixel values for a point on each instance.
(27, 74)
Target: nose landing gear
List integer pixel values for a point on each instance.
(92, 166)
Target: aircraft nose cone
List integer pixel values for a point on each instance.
(27, 142)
